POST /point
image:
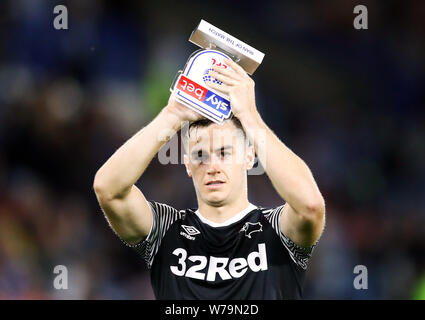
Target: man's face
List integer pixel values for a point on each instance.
(217, 160)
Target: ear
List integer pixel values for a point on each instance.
(186, 164)
(250, 157)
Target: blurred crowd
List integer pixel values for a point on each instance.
(350, 103)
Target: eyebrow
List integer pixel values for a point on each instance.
(224, 148)
(194, 152)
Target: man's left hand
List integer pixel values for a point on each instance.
(237, 85)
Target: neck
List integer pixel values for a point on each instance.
(222, 213)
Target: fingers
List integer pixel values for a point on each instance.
(220, 87)
(238, 69)
(223, 78)
(228, 72)
(235, 71)
(230, 77)
(172, 98)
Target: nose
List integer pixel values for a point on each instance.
(213, 165)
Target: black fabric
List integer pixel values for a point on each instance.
(182, 252)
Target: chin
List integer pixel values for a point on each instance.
(215, 200)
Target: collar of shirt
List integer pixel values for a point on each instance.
(229, 221)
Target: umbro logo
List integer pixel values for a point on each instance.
(189, 232)
(249, 228)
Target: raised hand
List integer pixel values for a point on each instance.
(182, 112)
(237, 85)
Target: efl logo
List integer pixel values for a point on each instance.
(203, 94)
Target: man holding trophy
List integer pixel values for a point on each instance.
(227, 248)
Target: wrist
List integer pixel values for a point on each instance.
(250, 118)
(171, 120)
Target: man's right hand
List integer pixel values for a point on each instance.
(180, 111)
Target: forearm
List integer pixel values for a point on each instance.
(122, 170)
(288, 173)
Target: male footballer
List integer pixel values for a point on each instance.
(227, 248)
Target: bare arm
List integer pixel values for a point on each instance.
(303, 215)
(124, 205)
(302, 219)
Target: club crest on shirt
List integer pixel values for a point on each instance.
(249, 228)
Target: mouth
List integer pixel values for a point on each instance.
(214, 184)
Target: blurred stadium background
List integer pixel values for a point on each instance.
(350, 103)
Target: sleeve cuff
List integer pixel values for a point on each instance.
(300, 255)
(149, 236)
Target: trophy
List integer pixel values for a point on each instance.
(190, 85)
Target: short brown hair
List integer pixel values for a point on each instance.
(204, 122)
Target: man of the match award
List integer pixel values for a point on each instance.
(191, 84)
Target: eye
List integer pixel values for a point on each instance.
(224, 153)
(200, 156)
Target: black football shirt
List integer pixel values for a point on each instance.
(246, 257)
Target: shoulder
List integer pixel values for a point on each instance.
(298, 254)
(271, 213)
(163, 218)
(165, 210)
(162, 207)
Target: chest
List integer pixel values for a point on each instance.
(192, 249)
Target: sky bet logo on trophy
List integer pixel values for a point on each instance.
(191, 84)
